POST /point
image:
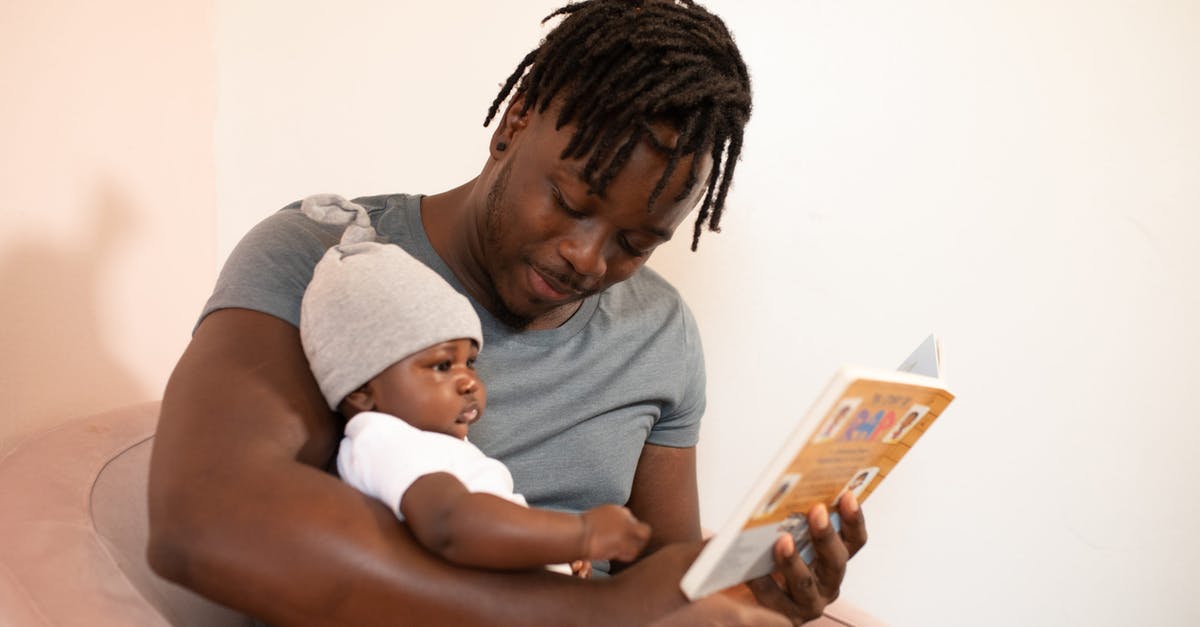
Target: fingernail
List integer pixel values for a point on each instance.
(789, 546)
(820, 517)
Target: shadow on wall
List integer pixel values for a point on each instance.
(54, 364)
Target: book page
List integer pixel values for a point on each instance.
(926, 360)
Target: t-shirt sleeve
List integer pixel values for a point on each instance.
(679, 425)
(272, 265)
(382, 456)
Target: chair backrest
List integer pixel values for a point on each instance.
(73, 529)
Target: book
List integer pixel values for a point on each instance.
(859, 428)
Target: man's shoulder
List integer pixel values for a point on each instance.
(271, 266)
(289, 228)
(646, 290)
(646, 303)
(375, 205)
(381, 202)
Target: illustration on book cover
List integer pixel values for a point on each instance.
(862, 438)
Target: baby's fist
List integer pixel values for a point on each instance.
(612, 532)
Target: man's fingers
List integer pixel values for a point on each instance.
(771, 596)
(802, 600)
(854, 525)
(829, 566)
(806, 589)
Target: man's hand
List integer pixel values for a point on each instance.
(612, 532)
(800, 591)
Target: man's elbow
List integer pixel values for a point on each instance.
(180, 531)
(167, 556)
(169, 550)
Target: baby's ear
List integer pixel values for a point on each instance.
(359, 400)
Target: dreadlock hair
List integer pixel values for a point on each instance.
(621, 66)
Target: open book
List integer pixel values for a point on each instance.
(860, 427)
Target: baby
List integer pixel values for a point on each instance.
(393, 347)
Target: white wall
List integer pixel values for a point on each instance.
(1022, 179)
(364, 97)
(1019, 177)
(107, 229)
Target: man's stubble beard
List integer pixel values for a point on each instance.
(494, 225)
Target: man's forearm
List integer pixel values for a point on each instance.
(317, 552)
(236, 517)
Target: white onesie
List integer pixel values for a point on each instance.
(381, 456)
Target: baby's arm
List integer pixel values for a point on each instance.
(486, 531)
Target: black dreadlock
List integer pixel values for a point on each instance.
(623, 65)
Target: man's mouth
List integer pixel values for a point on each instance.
(550, 287)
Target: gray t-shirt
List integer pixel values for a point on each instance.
(570, 408)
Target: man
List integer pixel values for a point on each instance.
(625, 118)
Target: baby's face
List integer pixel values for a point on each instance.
(436, 389)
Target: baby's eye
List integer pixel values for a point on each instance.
(471, 363)
(442, 366)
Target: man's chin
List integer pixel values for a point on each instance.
(516, 317)
(521, 308)
(533, 314)
(516, 321)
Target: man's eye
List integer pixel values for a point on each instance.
(562, 204)
(632, 250)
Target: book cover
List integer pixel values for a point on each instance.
(860, 427)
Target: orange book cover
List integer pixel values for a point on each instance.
(860, 427)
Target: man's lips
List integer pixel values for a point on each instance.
(549, 288)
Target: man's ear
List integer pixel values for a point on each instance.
(359, 400)
(510, 126)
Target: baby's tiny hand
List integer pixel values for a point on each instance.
(581, 569)
(612, 532)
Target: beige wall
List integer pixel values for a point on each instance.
(107, 227)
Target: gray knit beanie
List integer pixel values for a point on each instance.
(370, 304)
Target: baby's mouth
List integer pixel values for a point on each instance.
(468, 415)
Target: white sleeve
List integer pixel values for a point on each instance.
(381, 456)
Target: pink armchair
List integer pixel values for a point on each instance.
(73, 527)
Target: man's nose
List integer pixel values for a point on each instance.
(584, 250)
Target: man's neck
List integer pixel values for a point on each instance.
(455, 227)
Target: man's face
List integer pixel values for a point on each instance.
(548, 242)
(436, 389)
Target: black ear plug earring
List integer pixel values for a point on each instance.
(501, 146)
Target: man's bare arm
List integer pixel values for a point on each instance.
(484, 530)
(241, 511)
(664, 495)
